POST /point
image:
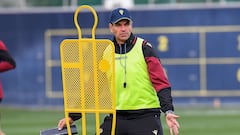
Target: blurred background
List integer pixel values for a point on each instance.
(198, 42)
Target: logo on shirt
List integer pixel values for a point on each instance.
(101, 130)
(155, 132)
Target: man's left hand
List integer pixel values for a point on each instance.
(171, 120)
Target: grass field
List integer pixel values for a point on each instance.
(193, 121)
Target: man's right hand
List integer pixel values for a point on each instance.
(62, 123)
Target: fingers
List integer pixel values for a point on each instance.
(175, 116)
(173, 124)
(172, 116)
(171, 131)
(175, 130)
(61, 124)
(175, 127)
(177, 124)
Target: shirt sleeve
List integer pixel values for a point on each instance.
(155, 69)
(158, 77)
(165, 99)
(75, 116)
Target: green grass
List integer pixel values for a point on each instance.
(209, 121)
(22, 121)
(193, 121)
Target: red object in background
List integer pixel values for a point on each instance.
(6, 63)
(1, 91)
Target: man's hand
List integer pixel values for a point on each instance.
(62, 123)
(171, 120)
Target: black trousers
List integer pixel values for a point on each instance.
(144, 124)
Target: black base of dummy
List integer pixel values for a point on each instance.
(55, 131)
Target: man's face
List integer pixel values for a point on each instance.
(121, 30)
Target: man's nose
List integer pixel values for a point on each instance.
(123, 28)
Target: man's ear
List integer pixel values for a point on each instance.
(110, 27)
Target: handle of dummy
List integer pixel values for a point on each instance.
(77, 24)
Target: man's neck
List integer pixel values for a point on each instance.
(120, 42)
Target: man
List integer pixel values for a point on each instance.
(141, 84)
(6, 63)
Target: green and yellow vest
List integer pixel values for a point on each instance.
(139, 92)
